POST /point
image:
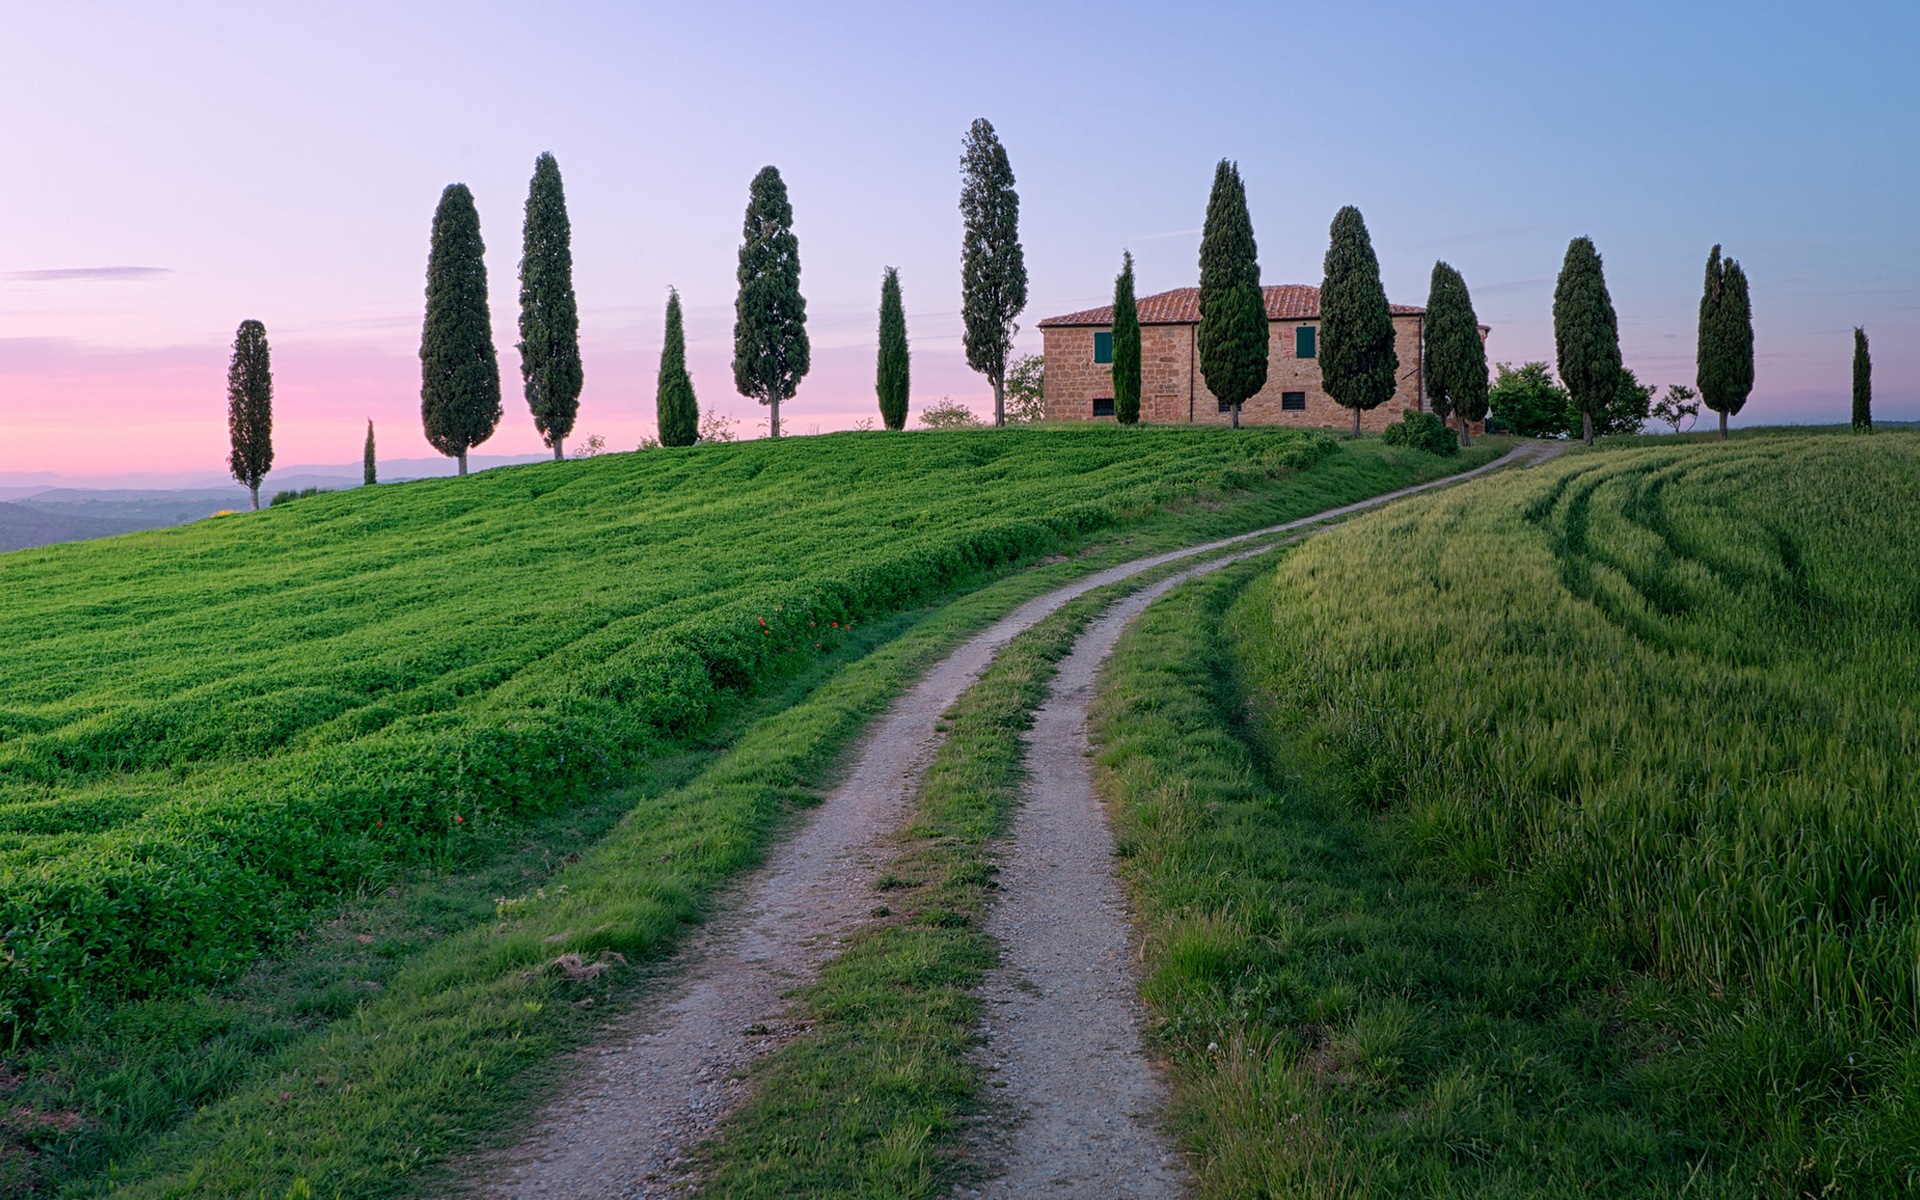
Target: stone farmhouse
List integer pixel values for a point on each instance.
(1079, 356)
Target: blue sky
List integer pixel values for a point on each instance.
(283, 163)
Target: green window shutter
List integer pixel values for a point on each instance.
(1303, 342)
(1103, 347)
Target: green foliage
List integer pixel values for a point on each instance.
(1027, 389)
(893, 378)
(675, 407)
(771, 353)
(1359, 366)
(1677, 743)
(290, 705)
(993, 268)
(1527, 401)
(1456, 358)
(1586, 334)
(1421, 431)
(1724, 360)
(369, 466)
(1862, 383)
(459, 375)
(1678, 408)
(288, 495)
(1233, 309)
(250, 407)
(948, 413)
(1628, 411)
(549, 316)
(1126, 346)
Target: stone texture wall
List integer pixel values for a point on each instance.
(1173, 390)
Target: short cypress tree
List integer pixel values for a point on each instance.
(1862, 383)
(1233, 310)
(549, 316)
(1586, 334)
(993, 268)
(1724, 362)
(674, 404)
(250, 408)
(1359, 365)
(459, 373)
(369, 469)
(771, 354)
(1456, 358)
(1126, 346)
(892, 371)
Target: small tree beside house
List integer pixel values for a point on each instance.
(1358, 363)
(1456, 358)
(1232, 334)
(1126, 346)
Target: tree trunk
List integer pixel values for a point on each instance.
(557, 455)
(1586, 427)
(1356, 421)
(254, 491)
(1466, 433)
(1236, 414)
(1000, 399)
(463, 462)
(773, 420)
(1723, 426)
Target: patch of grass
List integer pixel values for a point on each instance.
(301, 1070)
(1403, 820)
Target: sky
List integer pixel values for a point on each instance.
(175, 169)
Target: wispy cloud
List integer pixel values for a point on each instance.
(88, 274)
(1171, 233)
(1513, 285)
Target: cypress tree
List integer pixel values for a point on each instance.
(892, 371)
(370, 471)
(674, 404)
(1233, 310)
(1862, 383)
(993, 268)
(1359, 366)
(771, 354)
(459, 374)
(250, 408)
(1456, 358)
(1126, 346)
(1724, 361)
(1586, 334)
(549, 317)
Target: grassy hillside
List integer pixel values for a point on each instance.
(202, 729)
(1594, 868)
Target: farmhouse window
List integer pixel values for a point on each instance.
(1303, 342)
(1225, 407)
(1103, 407)
(1293, 401)
(1103, 347)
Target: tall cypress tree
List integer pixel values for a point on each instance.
(250, 408)
(1456, 358)
(1862, 383)
(1724, 362)
(1359, 365)
(459, 374)
(549, 317)
(1233, 310)
(892, 370)
(993, 268)
(1586, 334)
(771, 354)
(674, 404)
(1126, 346)
(369, 469)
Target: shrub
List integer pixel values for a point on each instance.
(1421, 431)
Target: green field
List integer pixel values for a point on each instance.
(1552, 835)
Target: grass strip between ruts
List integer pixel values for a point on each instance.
(457, 1046)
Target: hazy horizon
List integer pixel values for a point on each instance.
(200, 165)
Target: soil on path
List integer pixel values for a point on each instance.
(660, 1080)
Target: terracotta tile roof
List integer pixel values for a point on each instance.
(1181, 306)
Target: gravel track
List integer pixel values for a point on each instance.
(662, 1077)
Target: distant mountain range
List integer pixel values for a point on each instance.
(39, 508)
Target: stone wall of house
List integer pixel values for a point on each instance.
(1172, 389)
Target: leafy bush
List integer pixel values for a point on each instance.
(1421, 431)
(948, 414)
(288, 495)
(286, 706)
